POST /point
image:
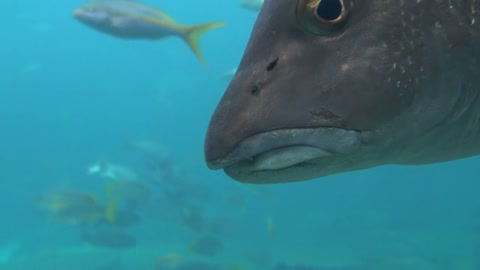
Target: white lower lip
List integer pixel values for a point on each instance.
(286, 156)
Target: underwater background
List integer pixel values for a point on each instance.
(101, 161)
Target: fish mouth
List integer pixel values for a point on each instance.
(280, 149)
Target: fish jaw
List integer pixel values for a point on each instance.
(276, 151)
(289, 147)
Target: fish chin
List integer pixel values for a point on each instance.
(282, 149)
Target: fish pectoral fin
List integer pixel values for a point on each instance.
(192, 34)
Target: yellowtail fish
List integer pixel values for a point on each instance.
(130, 19)
(76, 207)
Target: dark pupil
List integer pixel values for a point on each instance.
(329, 10)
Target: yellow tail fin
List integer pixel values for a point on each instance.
(192, 35)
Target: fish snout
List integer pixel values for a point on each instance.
(240, 114)
(90, 16)
(265, 119)
(78, 13)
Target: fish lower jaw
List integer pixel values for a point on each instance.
(277, 149)
(285, 157)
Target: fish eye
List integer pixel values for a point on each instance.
(321, 17)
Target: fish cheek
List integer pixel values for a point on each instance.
(355, 95)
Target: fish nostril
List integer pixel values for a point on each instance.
(257, 86)
(272, 65)
(255, 89)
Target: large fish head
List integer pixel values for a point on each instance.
(329, 86)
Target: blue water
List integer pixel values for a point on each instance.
(70, 96)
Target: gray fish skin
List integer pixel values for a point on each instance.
(398, 83)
